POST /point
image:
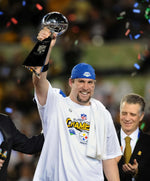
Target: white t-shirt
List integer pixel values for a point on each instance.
(66, 128)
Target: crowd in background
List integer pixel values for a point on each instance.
(89, 22)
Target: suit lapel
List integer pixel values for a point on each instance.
(137, 152)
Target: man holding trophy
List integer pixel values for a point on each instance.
(80, 137)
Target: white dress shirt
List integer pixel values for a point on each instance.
(134, 137)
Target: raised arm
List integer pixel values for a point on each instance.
(41, 83)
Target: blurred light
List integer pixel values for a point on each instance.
(8, 24)
(97, 40)
(8, 110)
(139, 56)
(72, 17)
(75, 29)
(76, 42)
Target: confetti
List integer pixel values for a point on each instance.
(137, 36)
(136, 10)
(122, 13)
(139, 56)
(141, 32)
(76, 42)
(137, 66)
(1, 13)
(147, 13)
(130, 36)
(127, 32)
(8, 24)
(118, 18)
(142, 126)
(14, 21)
(39, 7)
(136, 5)
(127, 25)
(133, 22)
(23, 3)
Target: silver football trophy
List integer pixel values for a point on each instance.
(56, 23)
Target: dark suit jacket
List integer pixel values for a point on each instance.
(141, 153)
(17, 141)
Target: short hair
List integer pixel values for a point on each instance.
(133, 99)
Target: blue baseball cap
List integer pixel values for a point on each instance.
(83, 70)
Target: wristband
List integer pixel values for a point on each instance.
(45, 68)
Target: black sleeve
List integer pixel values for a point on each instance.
(24, 144)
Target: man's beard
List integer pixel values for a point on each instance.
(83, 101)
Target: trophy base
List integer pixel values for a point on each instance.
(36, 59)
(38, 54)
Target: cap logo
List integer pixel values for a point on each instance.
(87, 74)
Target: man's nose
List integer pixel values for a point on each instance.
(86, 86)
(127, 117)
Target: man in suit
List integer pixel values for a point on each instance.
(137, 167)
(12, 138)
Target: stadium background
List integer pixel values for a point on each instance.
(111, 35)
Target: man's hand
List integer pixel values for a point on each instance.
(45, 33)
(1, 163)
(131, 169)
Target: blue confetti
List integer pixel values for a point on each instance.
(1, 13)
(136, 5)
(136, 10)
(136, 66)
(130, 36)
(23, 3)
(137, 36)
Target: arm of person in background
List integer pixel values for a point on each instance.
(111, 171)
(18, 141)
(24, 144)
(41, 84)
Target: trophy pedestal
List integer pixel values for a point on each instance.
(38, 54)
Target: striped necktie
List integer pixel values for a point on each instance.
(127, 151)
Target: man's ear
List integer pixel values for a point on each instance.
(142, 115)
(70, 82)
